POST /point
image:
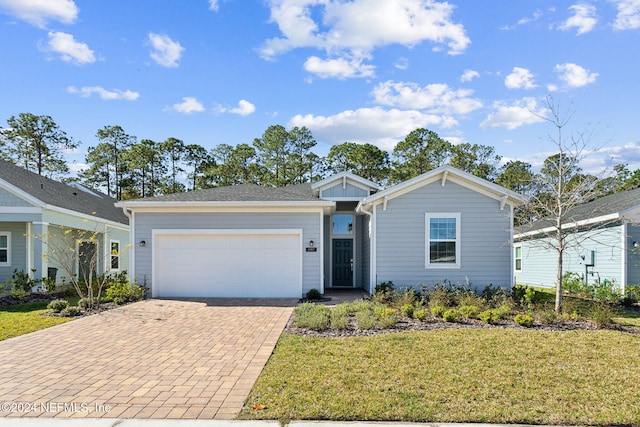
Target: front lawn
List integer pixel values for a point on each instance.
(21, 319)
(495, 375)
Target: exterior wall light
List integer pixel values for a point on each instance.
(143, 243)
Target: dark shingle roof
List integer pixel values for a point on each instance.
(242, 193)
(612, 204)
(58, 194)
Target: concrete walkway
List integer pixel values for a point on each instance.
(158, 359)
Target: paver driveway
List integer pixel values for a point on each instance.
(151, 359)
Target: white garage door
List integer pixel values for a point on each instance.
(230, 263)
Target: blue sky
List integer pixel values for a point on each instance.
(222, 71)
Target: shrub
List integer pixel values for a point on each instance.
(573, 284)
(312, 316)
(437, 310)
(384, 287)
(313, 295)
(19, 293)
(420, 313)
(451, 316)
(48, 285)
(84, 303)
(381, 311)
(607, 290)
(547, 316)
(71, 312)
(469, 311)
(23, 282)
(340, 316)
(407, 310)
(601, 315)
(523, 320)
(502, 311)
(366, 319)
(487, 316)
(387, 322)
(122, 292)
(58, 305)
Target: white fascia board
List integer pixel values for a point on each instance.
(569, 225)
(631, 213)
(20, 210)
(356, 180)
(277, 206)
(21, 194)
(98, 219)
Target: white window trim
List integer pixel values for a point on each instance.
(111, 255)
(8, 248)
(439, 265)
(515, 258)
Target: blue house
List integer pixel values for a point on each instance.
(342, 232)
(52, 229)
(603, 243)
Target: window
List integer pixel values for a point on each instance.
(518, 258)
(342, 224)
(443, 240)
(115, 255)
(5, 248)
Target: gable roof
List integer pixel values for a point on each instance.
(341, 177)
(45, 192)
(608, 208)
(444, 173)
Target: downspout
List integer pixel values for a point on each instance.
(132, 254)
(372, 244)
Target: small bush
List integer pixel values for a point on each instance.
(437, 310)
(122, 292)
(420, 313)
(451, 316)
(19, 293)
(384, 287)
(388, 322)
(58, 305)
(547, 316)
(313, 295)
(48, 285)
(469, 311)
(366, 320)
(407, 310)
(523, 320)
(602, 315)
(340, 316)
(312, 316)
(71, 312)
(381, 311)
(84, 303)
(487, 316)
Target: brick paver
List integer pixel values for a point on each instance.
(151, 359)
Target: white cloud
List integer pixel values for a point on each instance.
(69, 49)
(436, 98)
(38, 12)
(383, 128)
(402, 64)
(583, 19)
(520, 78)
(213, 5)
(244, 108)
(166, 52)
(536, 15)
(574, 75)
(188, 105)
(353, 29)
(469, 75)
(338, 68)
(628, 16)
(522, 112)
(107, 95)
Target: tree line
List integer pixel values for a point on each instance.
(125, 168)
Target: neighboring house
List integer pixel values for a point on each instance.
(341, 232)
(46, 223)
(603, 243)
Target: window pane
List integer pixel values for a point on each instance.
(442, 252)
(442, 229)
(115, 262)
(4, 242)
(343, 224)
(518, 264)
(4, 255)
(518, 252)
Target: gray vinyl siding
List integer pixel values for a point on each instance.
(327, 251)
(350, 190)
(10, 199)
(539, 263)
(484, 238)
(633, 255)
(18, 249)
(309, 222)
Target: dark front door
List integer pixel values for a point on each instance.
(342, 263)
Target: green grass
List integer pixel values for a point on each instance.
(22, 319)
(454, 375)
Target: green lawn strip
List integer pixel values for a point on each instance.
(22, 319)
(454, 375)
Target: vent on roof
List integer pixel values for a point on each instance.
(83, 188)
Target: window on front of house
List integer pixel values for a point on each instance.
(518, 258)
(115, 255)
(342, 224)
(5, 248)
(443, 240)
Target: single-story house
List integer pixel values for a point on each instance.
(49, 228)
(342, 232)
(603, 243)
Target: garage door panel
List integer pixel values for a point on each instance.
(227, 265)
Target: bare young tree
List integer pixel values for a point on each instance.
(559, 190)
